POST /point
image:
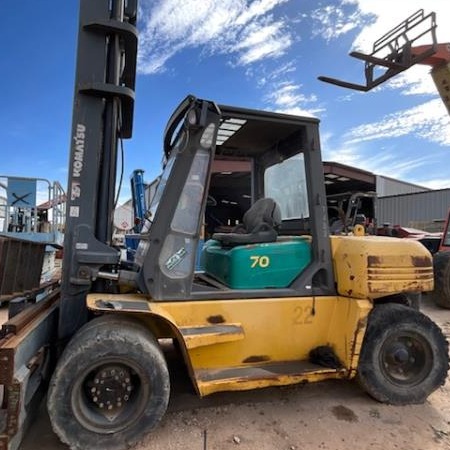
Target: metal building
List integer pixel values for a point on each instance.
(424, 210)
(389, 186)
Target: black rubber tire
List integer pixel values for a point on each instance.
(441, 293)
(411, 299)
(404, 356)
(110, 345)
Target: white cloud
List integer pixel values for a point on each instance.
(442, 183)
(264, 78)
(429, 121)
(385, 161)
(415, 81)
(259, 42)
(331, 22)
(348, 154)
(286, 97)
(391, 165)
(388, 14)
(246, 30)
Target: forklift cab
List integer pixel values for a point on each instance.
(286, 177)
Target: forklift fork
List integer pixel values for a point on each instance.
(394, 52)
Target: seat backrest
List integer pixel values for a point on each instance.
(263, 211)
(259, 225)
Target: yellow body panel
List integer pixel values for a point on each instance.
(375, 266)
(441, 78)
(249, 343)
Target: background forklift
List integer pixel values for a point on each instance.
(441, 265)
(393, 53)
(278, 302)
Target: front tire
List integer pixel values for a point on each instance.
(110, 387)
(404, 356)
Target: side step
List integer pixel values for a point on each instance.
(263, 375)
(204, 335)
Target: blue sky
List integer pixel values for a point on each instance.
(260, 54)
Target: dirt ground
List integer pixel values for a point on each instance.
(333, 415)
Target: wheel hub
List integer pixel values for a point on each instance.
(406, 359)
(400, 355)
(111, 387)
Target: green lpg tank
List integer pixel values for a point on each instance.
(257, 266)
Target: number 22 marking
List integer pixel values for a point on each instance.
(303, 315)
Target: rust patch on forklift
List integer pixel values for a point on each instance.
(6, 365)
(362, 323)
(373, 260)
(360, 326)
(216, 319)
(256, 358)
(13, 392)
(421, 261)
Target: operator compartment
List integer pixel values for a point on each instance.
(241, 209)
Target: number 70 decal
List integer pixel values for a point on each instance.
(260, 261)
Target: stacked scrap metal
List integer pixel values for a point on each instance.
(20, 266)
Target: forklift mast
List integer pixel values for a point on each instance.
(102, 114)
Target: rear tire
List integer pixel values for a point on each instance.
(441, 293)
(110, 387)
(404, 356)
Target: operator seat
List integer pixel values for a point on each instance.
(259, 225)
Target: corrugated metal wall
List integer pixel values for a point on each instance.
(410, 210)
(389, 186)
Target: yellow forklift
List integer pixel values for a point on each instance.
(278, 300)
